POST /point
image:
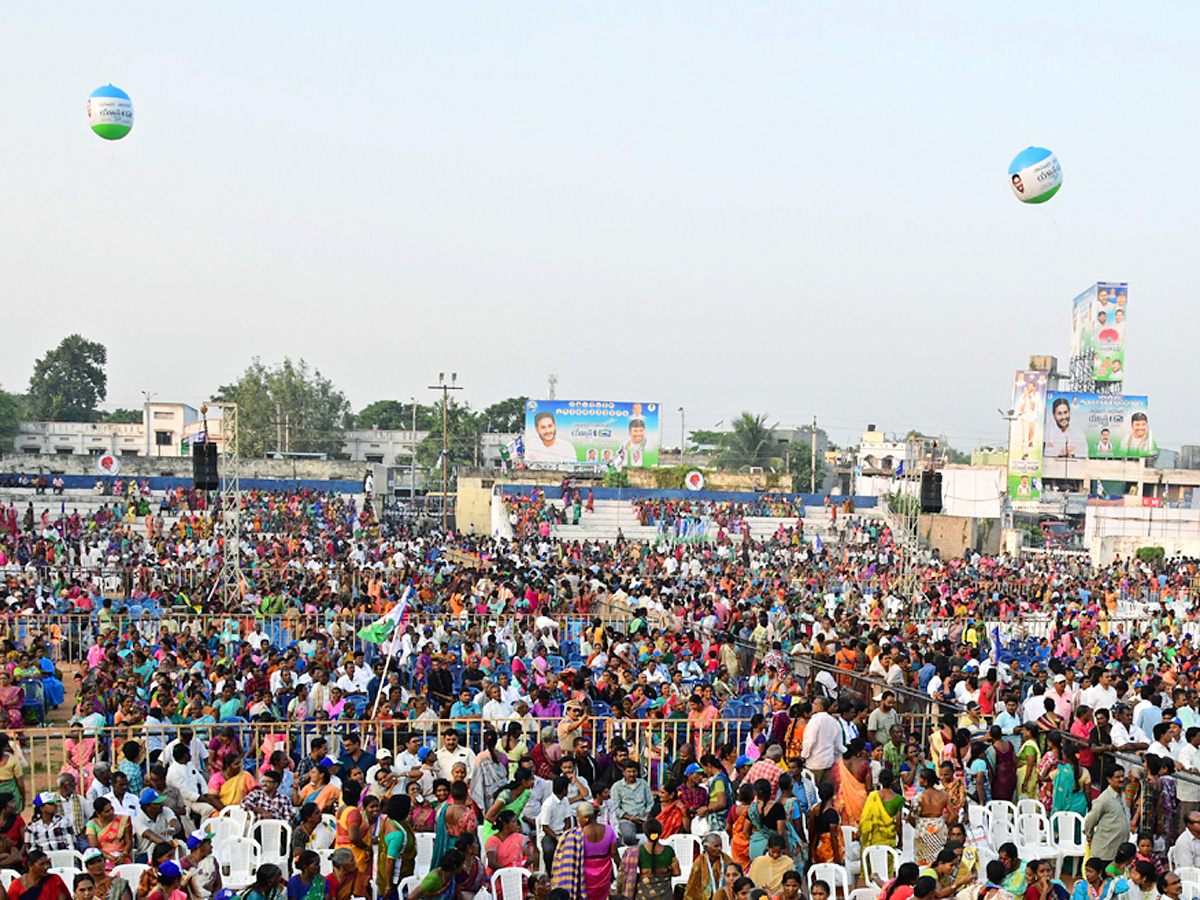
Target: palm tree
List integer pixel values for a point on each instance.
(750, 444)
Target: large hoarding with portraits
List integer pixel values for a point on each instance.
(1025, 435)
(1098, 326)
(1097, 426)
(1108, 330)
(592, 432)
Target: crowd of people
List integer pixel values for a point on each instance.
(572, 707)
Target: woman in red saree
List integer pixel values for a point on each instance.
(37, 883)
(671, 814)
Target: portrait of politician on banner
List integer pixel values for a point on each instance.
(591, 432)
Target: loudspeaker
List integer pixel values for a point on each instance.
(204, 466)
(931, 492)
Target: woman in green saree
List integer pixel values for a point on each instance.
(512, 797)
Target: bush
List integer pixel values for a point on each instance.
(613, 478)
(1150, 554)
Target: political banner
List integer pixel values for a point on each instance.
(1026, 435)
(1108, 331)
(1097, 426)
(1082, 321)
(592, 432)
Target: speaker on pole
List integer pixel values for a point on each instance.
(204, 466)
(931, 492)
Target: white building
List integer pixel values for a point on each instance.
(391, 448)
(170, 427)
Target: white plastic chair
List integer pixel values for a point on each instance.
(978, 817)
(1030, 805)
(239, 858)
(67, 874)
(1002, 822)
(327, 862)
(1191, 889)
(853, 850)
(131, 872)
(880, 862)
(1188, 873)
(686, 847)
(832, 874)
(1033, 836)
(865, 893)
(223, 830)
(1066, 831)
(275, 838)
(408, 884)
(908, 853)
(509, 883)
(66, 859)
(424, 853)
(7, 877)
(239, 814)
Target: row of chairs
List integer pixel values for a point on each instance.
(1036, 835)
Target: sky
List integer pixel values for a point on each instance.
(787, 208)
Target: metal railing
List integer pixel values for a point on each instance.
(71, 636)
(48, 752)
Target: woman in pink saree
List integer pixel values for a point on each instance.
(80, 758)
(12, 698)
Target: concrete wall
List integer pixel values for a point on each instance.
(473, 506)
(1106, 549)
(951, 536)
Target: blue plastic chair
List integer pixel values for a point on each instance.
(35, 698)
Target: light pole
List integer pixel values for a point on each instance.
(445, 389)
(682, 434)
(412, 472)
(146, 417)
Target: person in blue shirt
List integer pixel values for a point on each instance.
(354, 755)
(466, 709)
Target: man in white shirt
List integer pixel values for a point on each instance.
(823, 745)
(549, 447)
(1102, 695)
(496, 709)
(1064, 438)
(1158, 746)
(1186, 789)
(187, 780)
(354, 681)
(124, 803)
(101, 782)
(554, 818)
(1187, 847)
(450, 753)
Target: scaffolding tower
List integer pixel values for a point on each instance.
(230, 491)
(1082, 375)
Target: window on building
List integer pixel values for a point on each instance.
(159, 414)
(125, 451)
(375, 458)
(95, 451)
(64, 451)
(32, 451)
(162, 438)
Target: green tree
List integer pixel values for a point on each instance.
(703, 438)
(506, 417)
(799, 456)
(290, 401)
(392, 415)
(11, 409)
(69, 381)
(462, 433)
(122, 416)
(750, 444)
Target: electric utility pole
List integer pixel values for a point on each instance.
(445, 389)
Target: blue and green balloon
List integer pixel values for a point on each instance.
(110, 112)
(1035, 175)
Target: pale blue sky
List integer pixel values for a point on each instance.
(782, 207)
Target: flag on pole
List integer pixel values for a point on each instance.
(818, 543)
(995, 640)
(381, 629)
(899, 470)
(619, 460)
(441, 458)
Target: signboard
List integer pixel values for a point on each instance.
(1025, 435)
(1098, 326)
(107, 464)
(694, 481)
(592, 432)
(1108, 330)
(1097, 426)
